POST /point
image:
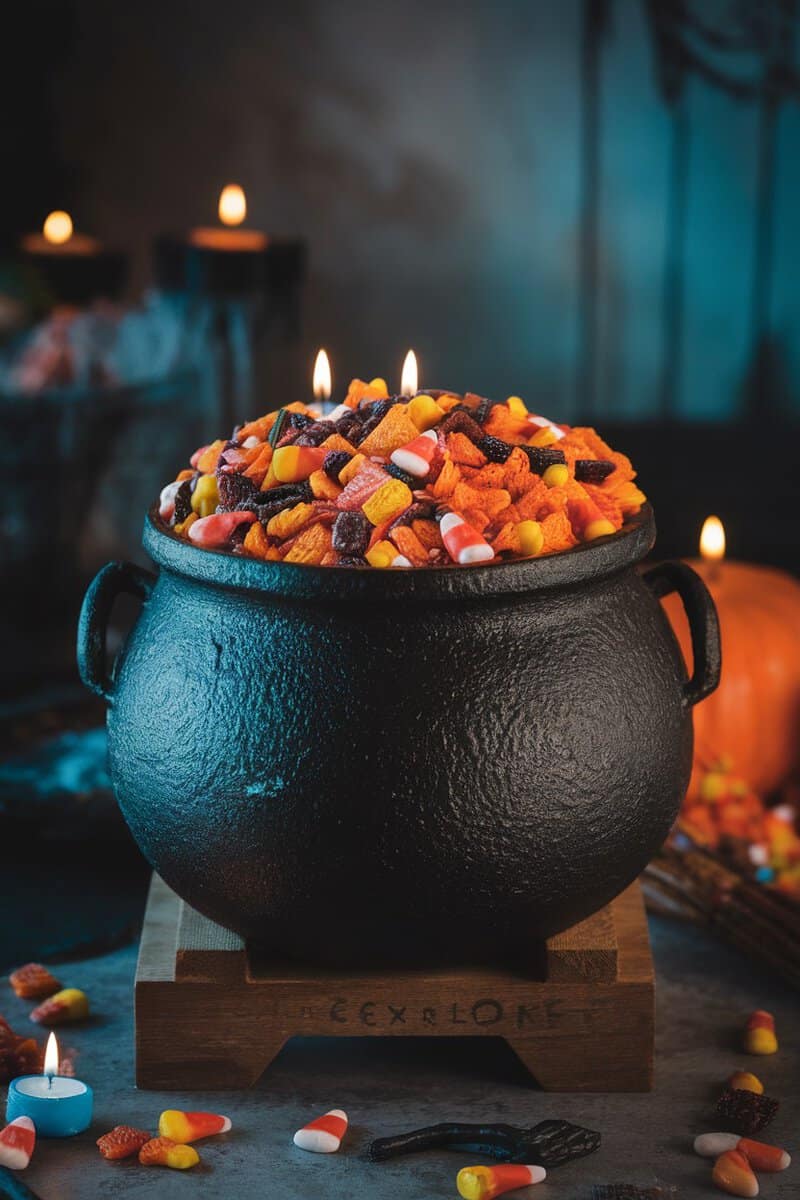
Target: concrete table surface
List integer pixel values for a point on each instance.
(704, 994)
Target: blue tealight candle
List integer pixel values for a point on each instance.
(57, 1105)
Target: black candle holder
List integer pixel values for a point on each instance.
(78, 277)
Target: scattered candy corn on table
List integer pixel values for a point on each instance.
(705, 994)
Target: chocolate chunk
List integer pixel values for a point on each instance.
(233, 488)
(542, 457)
(496, 450)
(593, 470)
(746, 1112)
(183, 502)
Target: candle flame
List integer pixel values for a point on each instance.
(712, 540)
(51, 1056)
(232, 206)
(57, 227)
(409, 380)
(322, 376)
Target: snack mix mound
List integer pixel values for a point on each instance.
(402, 482)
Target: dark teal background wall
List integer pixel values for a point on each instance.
(432, 154)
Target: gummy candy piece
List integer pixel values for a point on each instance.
(32, 981)
(759, 1035)
(495, 449)
(745, 1081)
(463, 543)
(593, 470)
(351, 533)
(363, 483)
(17, 1141)
(732, 1173)
(417, 455)
(323, 1135)
(164, 1152)
(746, 1111)
(218, 529)
(68, 1005)
(484, 1183)
(391, 498)
(185, 1127)
(123, 1141)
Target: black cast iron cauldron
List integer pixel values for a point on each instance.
(360, 764)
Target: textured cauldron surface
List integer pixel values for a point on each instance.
(353, 764)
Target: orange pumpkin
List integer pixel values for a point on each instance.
(754, 716)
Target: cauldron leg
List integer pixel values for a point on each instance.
(589, 1063)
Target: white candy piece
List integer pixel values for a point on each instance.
(546, 423)
(250, 442)
(400, 561)
(341, 410)
(166, 501)
(711, 1145)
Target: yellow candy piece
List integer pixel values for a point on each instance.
(712, 786)
(379, 385)
(545, 437)
(746, 1081)
(185, 526)
(382, 554)
(205, 496)
(350, 469)
(517, 406)
(424, 412)
(556, 475)
(761, 1041)
(391, 498)
(530, 536)
(596, 529)
(180, 1158)
(70, 1004)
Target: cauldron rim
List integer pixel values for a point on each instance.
(582, 564)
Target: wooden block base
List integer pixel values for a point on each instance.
(210, 1015)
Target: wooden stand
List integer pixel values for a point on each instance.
(209, 1015)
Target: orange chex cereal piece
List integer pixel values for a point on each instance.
(323, 487)
(256, 542)
(557, 532)
(507, 540)
(164, 1152)
(290, 521)
(428, 533)
(409, 544)
(123, 1141)
(462, 450)
(449, 476)
(258, 467)
(33, 981)
(490, 500)
(337, 442)
(358, 390)
(477, 518)
(394, 431)
(311, 546)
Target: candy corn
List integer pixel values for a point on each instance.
(484, 1183)
(759, 1035)
(463, 543)
(69, 1005)
(384, 554)
(187, 1127)
(16, 1144)
(290, 464)
(760, 1155)
(164, 1152)
(732, 1173)
(416, 456)
(324, 1135)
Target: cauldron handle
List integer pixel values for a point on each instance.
(701, 612)
(110, 581)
